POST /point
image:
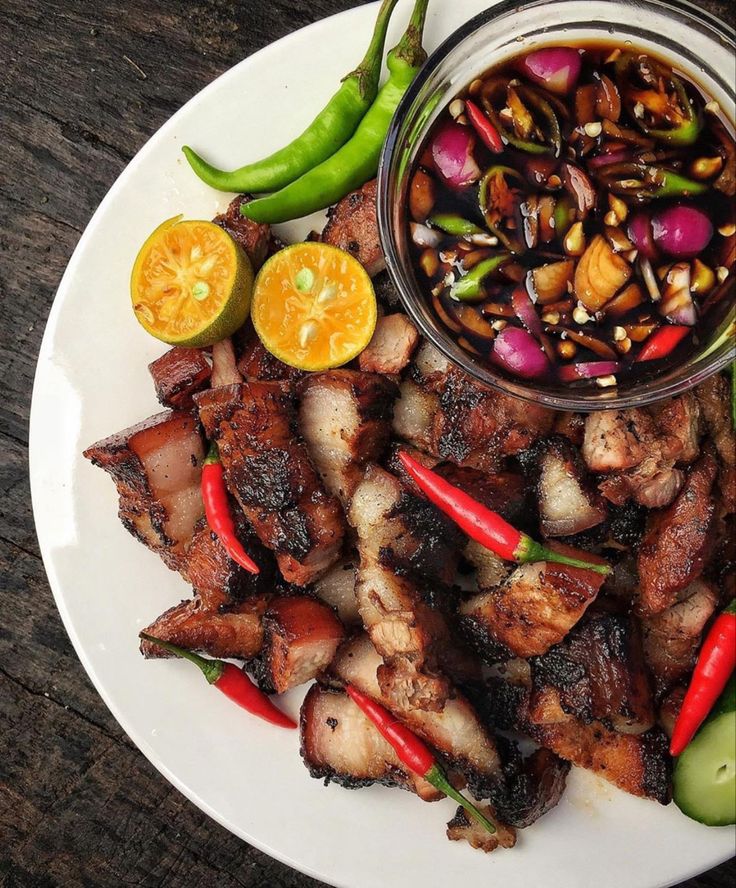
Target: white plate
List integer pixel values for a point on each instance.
(92, 380)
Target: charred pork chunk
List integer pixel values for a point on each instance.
(237, 633)
(300, 637)
(532, 610)
(672, 637)
(715, 403)
(255, 362)
(340, 745)
(414, 413)
(640, 449)
(156, 466)
(599, 674)
(456, 732)
(678, 540)
(669, 710)
(637, 763)
(345, 418)
(253, 237)
(337, 588)
(178, 374)
(352, 225)
(219, 581)
(463, 828)
(567, 504)
(534, 789)
(392, 346)
(269, 473)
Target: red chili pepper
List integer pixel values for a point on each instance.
(483, 126)
(413, 752)
(481, 524)
(217, 510)
(233, 683)
(662, 342)
(715, 664)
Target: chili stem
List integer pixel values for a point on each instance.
(211, 669)
(440, 782)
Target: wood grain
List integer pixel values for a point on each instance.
(82, 86)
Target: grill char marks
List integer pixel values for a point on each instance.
(391, 347)
(178, 374)
(463, 828)
(341, 745)
(345, 417)
(599, 674)
(254, 362)
(678, 541)
(534, 789)
(253, 237)
(156, 466)
(269, 473)
(352, 225)
(714, 399)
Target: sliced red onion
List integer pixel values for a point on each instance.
(600, 160)
(519, 352)
(452, 154)
(580, 188)
(588, 370)
(424, 236)
(641, 235)
(677, 302)
(557, 68)
(682, 231)
(525, 311)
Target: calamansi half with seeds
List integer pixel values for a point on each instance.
(314, 306)
(191, 283)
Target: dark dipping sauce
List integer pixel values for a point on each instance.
(573, 216)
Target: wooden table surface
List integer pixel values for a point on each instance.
(83, 85)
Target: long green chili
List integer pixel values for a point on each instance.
(357, 161)
(453, 224)
(469, 286)
(330, 129)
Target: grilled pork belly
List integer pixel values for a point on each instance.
(669, 710)
(532, 610)
(156, 466)
(352, 225)
(414, 413)
(678, 540)
(337, 588)
(641, 449)
(345, 418)
(637, 763)
(238, 633)
(714, 398)
(599, 674)
(463, 828)
(300, 638)
(253, 237)
(341, 745)
(178, 374)
(567, 504)
(255, 362)
(269, 473)
(534, 789)
(456, 731)
(672, 637)
(391, 347)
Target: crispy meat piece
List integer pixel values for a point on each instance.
(224, 364)
(567, 504)
(672, 637)
(414, 413)
(301, 636)
(352, 225)
(269, 473)
(532, 610)
(456, 731)
(178, 374)
(637, 763)
(341, 745)
(571, 426)
(670, 709)
(392, 345)
(715, 403)
(255, 362)
(253, 237)
(534, 789)
(641, 448)
(238, 633)
(345, 418)
(463, 828)
(678, 540)
(156, 466)
(599, 674)
(337, 588)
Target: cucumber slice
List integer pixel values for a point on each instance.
(705, 773)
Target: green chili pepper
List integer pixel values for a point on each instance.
(675, 185)
(487, 207)
(469, 286)
(455, 225)
(563, 215)
(330, 129)
(646, 181)
(530, 98)
(357, 161)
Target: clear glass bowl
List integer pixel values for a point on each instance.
(695, 41)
